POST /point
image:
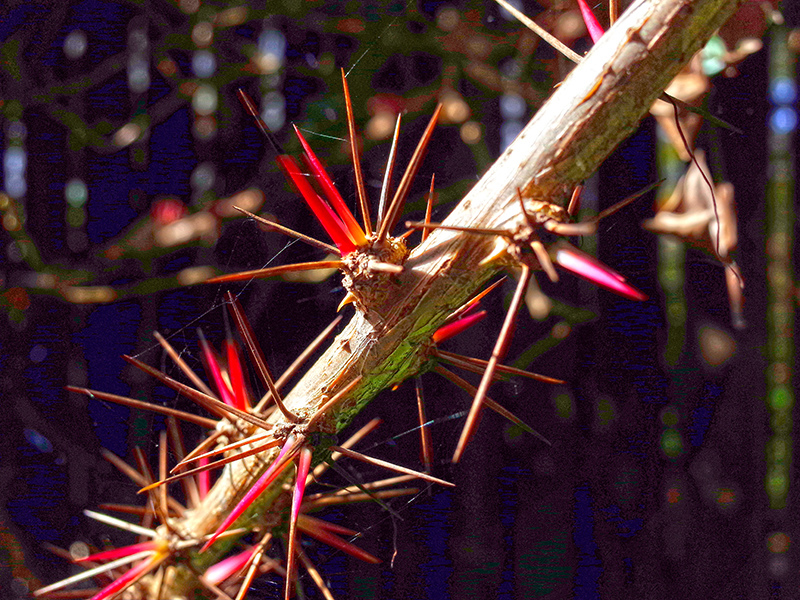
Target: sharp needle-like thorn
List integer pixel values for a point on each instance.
(351, 226)
(92, 572)
(206, 466)
(491, 404)
(625, 201)
(303, 464)
(162, 474)
(246, 331)
(275, 271)
(428, 209)
(351, 441)
(227, 448)
(363, 200)
(207, 402)
(189, 417)
(546, 36)
(476, 365)
(476, 230)
(425, 435)
(544, 260)
(387, 465)
(120, 524)
(273, 471)
(349, 298)
(176, 358)
(199, 449)
(500, 348)
(299, 361)
(189, 485)
(315, 575)
(405, 182)
(387, 176)
(251, 109)
(575, 201)
(290, 232)
(595, 30)
(473, 302)
(613, 11)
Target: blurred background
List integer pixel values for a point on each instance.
(124, 149)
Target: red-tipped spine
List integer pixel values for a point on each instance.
(325, 215)
(352, 228)
(236, 374)
(595, 30)
(593, 270)
(452, 329)
(270, 475)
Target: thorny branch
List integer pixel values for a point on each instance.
(594, 109)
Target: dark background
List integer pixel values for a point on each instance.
(593, 515)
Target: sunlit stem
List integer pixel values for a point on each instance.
(500, 349)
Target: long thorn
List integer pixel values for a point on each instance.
(387, 465)
(210, 466)
(425, 435)
(476, 365)
(500, 349)
(251, 109)
(176, 358)
(254, 439)
(575, 201)
(315, 575)
(164, 410)
(476, 230)
(303, 464)
(405, 182)
(491, 404)
(273, 471)
(299, 361)
(544, 260)
(189, 485)
(473, 302)
(246, 331)
(207, 402)
(387, 175)
(363, 200)
(429, 208)
(625, 201)
(349, 443)
(547, 37)
(290, 232)
(351, 226)
(275, 271)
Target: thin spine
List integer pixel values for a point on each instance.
(387, 175)
(491, 404)
(363, 199)
(429, 208)
(424, 433)
(164, 410)
(275, 271)
(298, 362)
(405, 182)
(500, 349)
(476, 365)
(388, 465)
(303, 464)
(246, 331)
(290, 232)
(351, 226)
(176, 358)
(189, 484)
